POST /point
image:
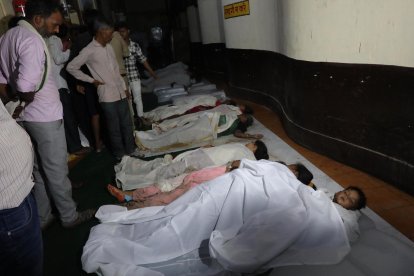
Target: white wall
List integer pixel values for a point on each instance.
(211, 21)
(254, 31)
(349, 31)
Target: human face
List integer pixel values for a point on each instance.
(347, 199)
(106, 35)
(124, 32)
(50, 25)
(294, 169)
(251, 146)
(242, 118)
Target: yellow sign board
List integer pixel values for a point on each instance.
(236, 9)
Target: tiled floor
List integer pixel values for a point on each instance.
(393, 205)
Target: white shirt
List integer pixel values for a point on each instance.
(16, 162)
(59, 58)
(102, 64)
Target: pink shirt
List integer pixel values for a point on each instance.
(102, 64)
(22, 60)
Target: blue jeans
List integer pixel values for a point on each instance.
(21, 246)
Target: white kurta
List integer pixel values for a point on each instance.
(257, 217)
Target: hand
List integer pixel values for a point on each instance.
(27, 97)
(66, 45)
(80, 89)
(235, 164)
(17, 111)
(97, 83)
(258, 136)
(128, 94)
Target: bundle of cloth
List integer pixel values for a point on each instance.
(254, 218)
(175, 73)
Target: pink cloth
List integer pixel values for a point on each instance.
(102, 64)
(151, 196)
(22, 60)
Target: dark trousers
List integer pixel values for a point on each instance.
(71, 124)
(21, 246)
(119, 126)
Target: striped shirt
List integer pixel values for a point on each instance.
(135, 55)
(16, 162)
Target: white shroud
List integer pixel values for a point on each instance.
(257, 217)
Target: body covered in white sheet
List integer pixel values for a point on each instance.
(180, 106)
(254, 218)
(187, 129)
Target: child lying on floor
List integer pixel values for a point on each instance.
(153, 196)
(134, 173)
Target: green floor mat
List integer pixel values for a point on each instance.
(63, 247)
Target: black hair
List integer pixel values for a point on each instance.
(13, 21)
(230, 102)
(63, 31)
(304, 175)
(261, 150)
(248, 110)
(121, 25)
(242, 126)
(43, 8)
(89, 17)
(362, 201)
(100, 23)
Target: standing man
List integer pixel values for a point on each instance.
(135, 55)
(100, 59)
(59, 49)
(25, 66)
(121, 51)
(21, 250)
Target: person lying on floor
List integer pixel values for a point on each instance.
(254, 218)
(153, 196)
(198, 127)
(132, 173)
(188, 105)
(302, 173)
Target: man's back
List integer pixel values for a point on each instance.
(22, 65)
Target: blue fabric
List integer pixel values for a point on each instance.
(128, 198)
(21, 246)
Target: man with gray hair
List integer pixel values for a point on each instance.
(100, 59)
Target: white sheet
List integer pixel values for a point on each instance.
(175, 73)
(180, 106)
(133, 173)
(257, 217)
(187, 129)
